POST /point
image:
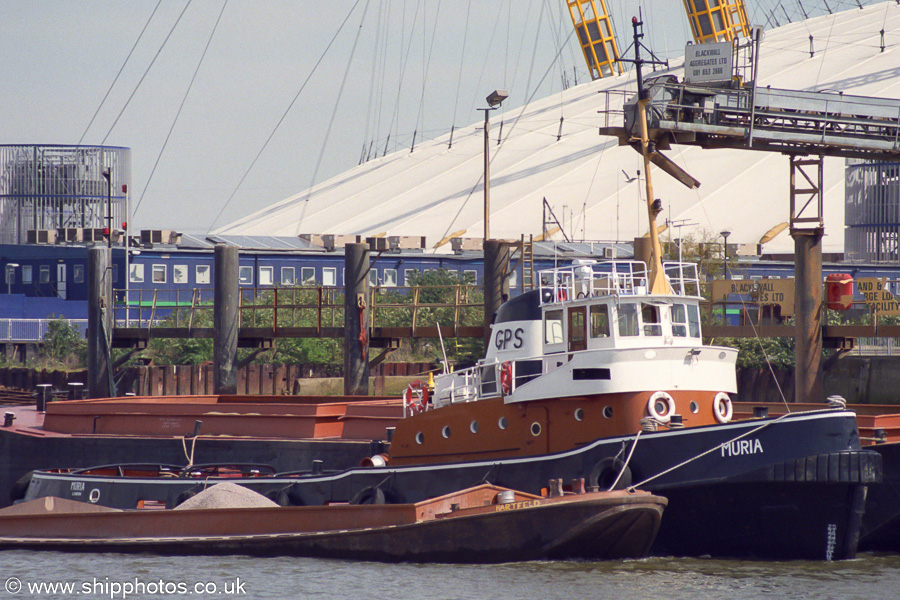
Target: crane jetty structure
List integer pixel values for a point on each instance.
(718, 104)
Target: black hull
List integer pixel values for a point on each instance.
(587, 530)
(881, 523)
(810, 461)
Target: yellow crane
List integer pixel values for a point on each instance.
(717, 20)
(595, 35)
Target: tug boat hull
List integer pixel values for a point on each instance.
(722, 479)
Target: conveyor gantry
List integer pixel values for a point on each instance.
(768, 119)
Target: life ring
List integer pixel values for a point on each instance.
(561, 295)
(605, 472)
(662, 417)
(723, 410)
(415, 397)
(506, 378)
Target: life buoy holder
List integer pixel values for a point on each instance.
(723, 409)
(506, 378)
(661, 416)
(415, 397)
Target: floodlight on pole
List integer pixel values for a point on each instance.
(725, 235)
(494, 100)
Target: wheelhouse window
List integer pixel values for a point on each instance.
(288, 276)
(26, 273)
(202, 274)
(693, 320)
(307, 276)
(373, 277)
(136, 273)
(553, 327)
(650, 317)
(77, 274)
(599, 321)
(245, 275)
(628, 320)
(329, 276)
(679, 320)
(45, 274)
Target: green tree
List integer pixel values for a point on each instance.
(63, 345)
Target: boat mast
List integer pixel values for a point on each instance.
(657, 279)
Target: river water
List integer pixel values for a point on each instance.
(97, 576)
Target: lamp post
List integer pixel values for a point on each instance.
(725, 235)
(494, 100)
(10, 274)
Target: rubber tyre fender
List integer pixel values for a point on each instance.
(369, 495)
(182, 497)
(20, 486)
(279, 497)
(605, 472)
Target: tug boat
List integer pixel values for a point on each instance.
(483, 524)
(590, 380)
(599, 378)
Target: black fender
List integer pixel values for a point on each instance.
(605, 472)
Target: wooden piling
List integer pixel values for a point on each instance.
(356, 313)
(496, 282)
(100, 323)
(225, 319)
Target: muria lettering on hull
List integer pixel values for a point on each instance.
(740, 447)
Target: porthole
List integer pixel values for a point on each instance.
(501, 423)
(579, 414)
(445, 431)
(420, 438)
(473, 426)
(535, 429)
(607, 412)
(695, 408)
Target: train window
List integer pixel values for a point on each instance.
(26, 273)
(136, 273)
(373, 277)
(409, 276)
(470, 277)
(287, 276)
(201, 274)
(329, 276)
(77, 274)
(307, 276)
(159, 273)
(180, 274)
(245, 275)
(390, 277)
(266, 275)
(45, 274)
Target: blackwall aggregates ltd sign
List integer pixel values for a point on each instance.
(708, 63)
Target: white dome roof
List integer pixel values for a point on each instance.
(436, 191)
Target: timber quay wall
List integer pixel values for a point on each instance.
(179, 380)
